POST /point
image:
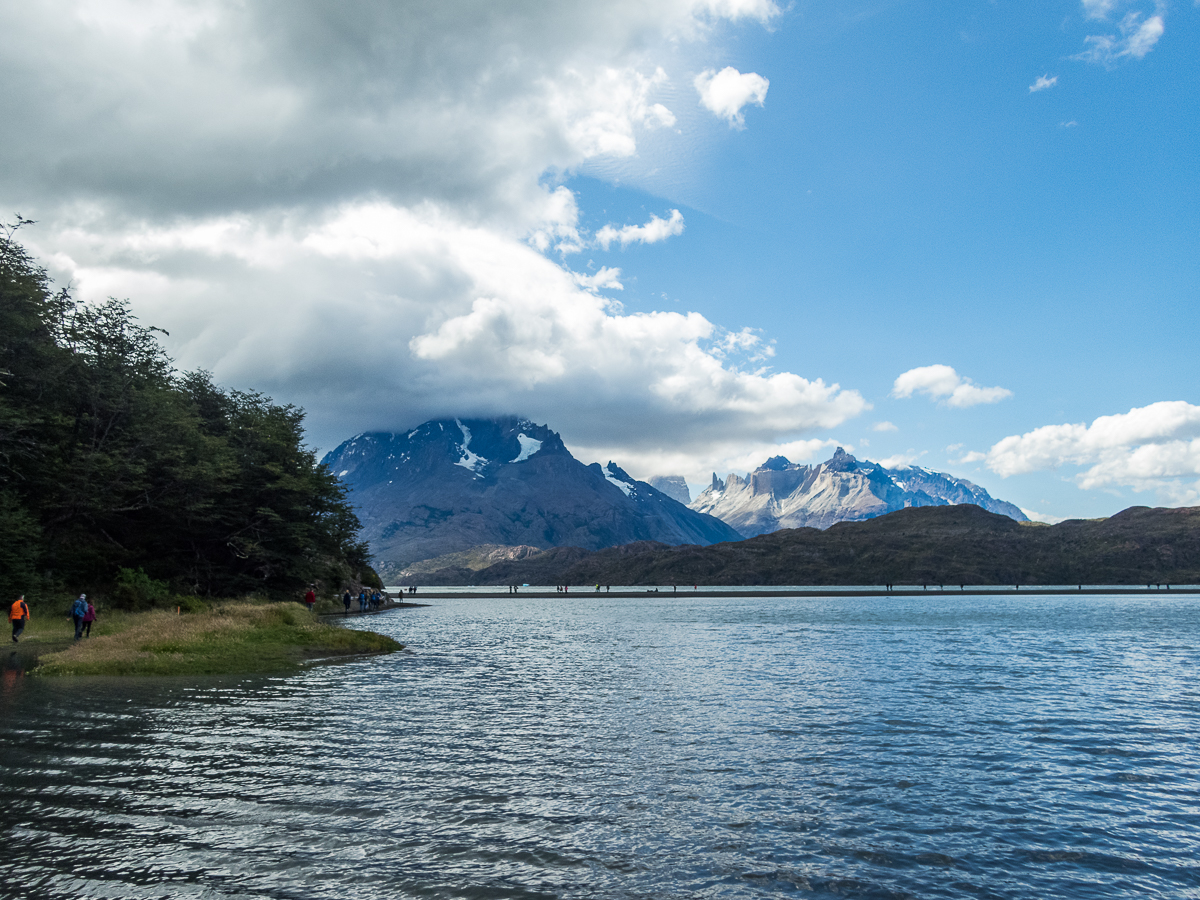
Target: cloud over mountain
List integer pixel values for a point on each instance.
(354, 208)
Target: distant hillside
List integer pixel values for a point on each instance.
(453, 485)
(961, 544)
(781, 494)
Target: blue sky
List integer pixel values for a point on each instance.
(667, 229)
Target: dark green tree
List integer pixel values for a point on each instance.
(110, 461)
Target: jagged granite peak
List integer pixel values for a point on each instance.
(674, 486)
(782, 494)
(450, 485)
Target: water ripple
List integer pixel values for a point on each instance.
(709, 746)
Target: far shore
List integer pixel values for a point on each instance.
(626, 592)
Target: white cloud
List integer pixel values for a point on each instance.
(884, 426)
(942, 382)
(604, 279)
(1098, 9)
(1138, 37)
(901, 460)
(724, 93)
(651, 233)
(1155, 447)
(379, 316)
(350, 208)
(1043, 82)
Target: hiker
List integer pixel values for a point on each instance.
(346, 602)
(78, 611)
(18, 615)
(88, 618)
(310, 599)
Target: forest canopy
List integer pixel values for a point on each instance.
(112, 462)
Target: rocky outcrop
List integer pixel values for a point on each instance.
(674, 486)
(456, 484)
(780, 494)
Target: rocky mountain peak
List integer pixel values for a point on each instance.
(841, 461)
(450, 485)
(780, 494)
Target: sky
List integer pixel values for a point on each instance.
(686, 234)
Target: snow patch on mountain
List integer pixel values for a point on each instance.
(612, 478)
(469, 460)
(529, 446)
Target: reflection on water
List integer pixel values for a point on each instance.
(674, 747)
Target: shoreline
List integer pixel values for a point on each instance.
(816, 591)
(342, 614)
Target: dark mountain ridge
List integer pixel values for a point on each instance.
(961, 544)
(455, 484)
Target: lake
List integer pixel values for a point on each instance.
(680, 746)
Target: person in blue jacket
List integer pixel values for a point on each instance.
(78, 612)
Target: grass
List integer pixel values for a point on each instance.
(234, 638)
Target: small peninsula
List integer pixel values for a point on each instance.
(229, 638)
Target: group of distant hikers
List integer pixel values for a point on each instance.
(366, 600)
(83, 613)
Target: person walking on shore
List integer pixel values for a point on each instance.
(78, 611)
(310, 599)
(88, 618)
(18, 615)
(346, 602)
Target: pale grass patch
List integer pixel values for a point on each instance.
(162, 635)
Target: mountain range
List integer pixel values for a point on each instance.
(503, 489)
(452, 485)
(934, 545)
(781, 494)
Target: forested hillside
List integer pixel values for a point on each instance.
(111, 461)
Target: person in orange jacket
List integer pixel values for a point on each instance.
(19, 615)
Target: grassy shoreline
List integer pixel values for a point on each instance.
(231, 638)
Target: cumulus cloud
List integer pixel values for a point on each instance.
(1137, 37)
(351, 207)
(884, 426)
(651, 233)
(606, 278)
(1043, 82)
(725, 93)
(1155, 447)
(379, 316)
(901, 460)
(943, 383)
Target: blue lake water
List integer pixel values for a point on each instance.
(672, 747)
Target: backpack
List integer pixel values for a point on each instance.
(79, 608)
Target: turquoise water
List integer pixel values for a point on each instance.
(672, 747)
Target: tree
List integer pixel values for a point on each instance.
(110, 460)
